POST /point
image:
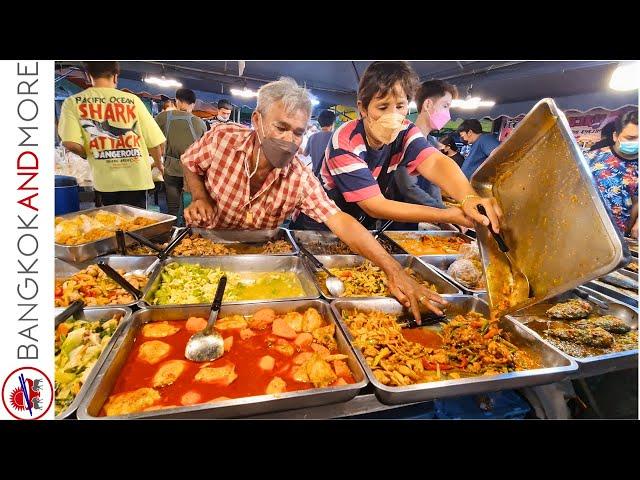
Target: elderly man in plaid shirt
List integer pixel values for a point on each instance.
(251, 179)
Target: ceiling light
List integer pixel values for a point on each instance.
(163, 82)
(626, 77)
(244, 93)
(471, 103)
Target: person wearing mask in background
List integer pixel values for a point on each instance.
(615, 170)
(251, 178)
(482, 144)
(433, 100)
(317, 144)
(116, 133)
(181, 128)
(450, 149)
(224, 113)
(364, 153)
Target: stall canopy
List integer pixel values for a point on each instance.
(515, 86)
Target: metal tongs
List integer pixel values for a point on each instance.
(70, 311)
(333, 283)
(428, 319)
(162, 254)
(120, 280)
(384, 226)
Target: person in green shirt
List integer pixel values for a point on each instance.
(116, 133)
(181, 128)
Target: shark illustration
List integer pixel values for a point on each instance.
(103, 129)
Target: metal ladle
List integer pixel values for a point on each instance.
(333, 283)
(208, 345)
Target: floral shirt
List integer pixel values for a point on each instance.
(617, 180)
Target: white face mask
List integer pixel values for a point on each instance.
(223, 118)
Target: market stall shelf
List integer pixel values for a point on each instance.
(555, 365)
(235, 407)
(85, 251)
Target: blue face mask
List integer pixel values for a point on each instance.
(629, 148)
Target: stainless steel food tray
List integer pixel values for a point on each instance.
(393, 235)
(230, 237)
(241, 263)
(306, 238)
(127, 263)
(441, 263)
(104, 313)
(559, 231)
(86, 251)
(556, 365)
(599, 364)
(238, 407)
(425, 271)
(630, 297)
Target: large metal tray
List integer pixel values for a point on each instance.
(241, 263)
(440, 263)
(306, 238)
(557, 366)
(555, 223)
(600, 364)
(238, 407)
(393, 235)
(86, 251)
(127, 263)
(91, 315)
(259, 237)
(425, 271)
(630, 297)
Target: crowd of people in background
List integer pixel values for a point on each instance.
(380, 166)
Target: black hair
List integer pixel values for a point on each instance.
(102, 69)
(326, 118)
(186, 95)
(380, 77)
(624, 120)
(225, 104)
(434, 89)
(472, 124)
(449, 142)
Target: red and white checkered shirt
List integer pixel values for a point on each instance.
(219, 156)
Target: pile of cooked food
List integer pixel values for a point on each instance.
(576, 329)
(470, 345)
(197, 245)
(95, 288)
(89, 228)
(468, 270)
(78, 345)
(137, 249)
(366, 280)
(338, 247)
(428, 244)
(266, 353)
(185, 283)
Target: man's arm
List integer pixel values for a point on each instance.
(156, 154)
(75, 148)
(403, 287)
(381, 207)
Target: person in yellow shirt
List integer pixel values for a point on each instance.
(116, 133)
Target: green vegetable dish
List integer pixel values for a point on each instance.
(191, 283)
(78, 345)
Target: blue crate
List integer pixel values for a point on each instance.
(507, 404)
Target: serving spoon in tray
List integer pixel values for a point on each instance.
(208, 345)
(333, 283)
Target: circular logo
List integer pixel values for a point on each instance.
(27, 393)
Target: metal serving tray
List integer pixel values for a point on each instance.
(241, 263)
(102, 314)
(127, 263)
(440, 263)
(237, 407)
(630, 297)
(556, 365)
(230, 237)
(555, 223)
(340, 261)
(599, 364)
(393, 235)
(308, 237)
(86, 251)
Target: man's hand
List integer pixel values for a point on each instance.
(159, 166)
(411, 294)
(199, 213)
(491, 206)
(456, 216)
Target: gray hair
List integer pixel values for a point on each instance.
(288, 91)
